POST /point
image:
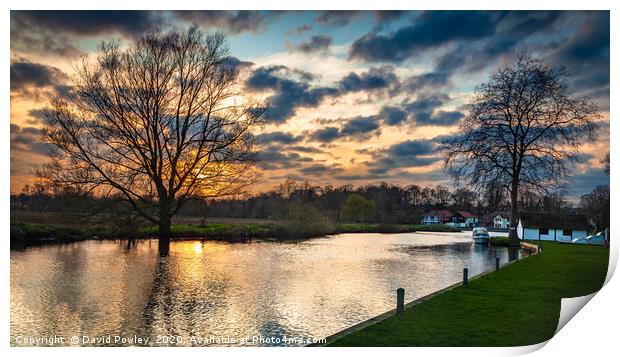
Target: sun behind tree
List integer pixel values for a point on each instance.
(158, 122)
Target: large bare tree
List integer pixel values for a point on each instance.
(522, 129)
(158, 122)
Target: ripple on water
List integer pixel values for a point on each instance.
(312, 288)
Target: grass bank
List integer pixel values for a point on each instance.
(516, 306)
(26, 234)
(392, 228)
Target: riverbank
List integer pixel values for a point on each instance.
(25, 234)
(516, 306)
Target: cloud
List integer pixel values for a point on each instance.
(375, 78)
(278, 137)
(406, 154)
(273, 158)
(360, 127)
(393, 115)
(46, 32)
(88, 22)
(425, 110)
(318, 43)
(303, 28)
(28, 139)
(326, 134)
(583, 182)
(430, 80)
(35, 80)
(291, 88)
(430, 30)
(234, 62)
(586, 53)
(321, 169)
(336, 17)
(233, 22)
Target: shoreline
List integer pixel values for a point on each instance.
(392, 313)
(493, 301)
(24, 235)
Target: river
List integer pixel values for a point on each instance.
(219, 294)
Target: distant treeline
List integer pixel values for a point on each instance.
(376, 203)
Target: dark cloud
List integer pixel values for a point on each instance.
(425, 110)
(37, 80)
(410, 153)
(291, 88)
(307, 149)
(303, 28)
(321, 169)
(439, 118)
(388, 15)
(373, 79)
(88, 22)
(24, 74)
(274, 158)
(315, 44)
(430, 30)
(360, 127)
(235, 63)
(427, 102)
(583, 182)
(230, 21)
(28, 139)
(278, 137)
(326, 134)
(336, 17)
(430, 80)
(48, 32)
(586, 53)
(392, 115)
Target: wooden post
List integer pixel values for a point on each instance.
(400, 301)
(465, 273)
(496, 263)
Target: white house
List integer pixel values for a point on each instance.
(555, 227)
(501, 222)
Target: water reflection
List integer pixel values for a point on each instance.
(204, 289)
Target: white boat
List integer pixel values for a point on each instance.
(480, 235)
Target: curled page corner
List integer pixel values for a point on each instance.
(570, 307)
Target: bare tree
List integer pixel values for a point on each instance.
(522, 129)
(596, 205)
(159, 122)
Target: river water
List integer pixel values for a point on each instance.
(222, 294)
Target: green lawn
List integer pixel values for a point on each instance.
(519, 305)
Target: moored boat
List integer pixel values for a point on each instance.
(480, 235)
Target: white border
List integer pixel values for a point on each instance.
(590, 332)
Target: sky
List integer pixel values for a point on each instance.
(355, 97)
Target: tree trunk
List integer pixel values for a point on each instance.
(164, 232)
(514, 212)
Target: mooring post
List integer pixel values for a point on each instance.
(465, 274)
(400, 301)
(496, 263)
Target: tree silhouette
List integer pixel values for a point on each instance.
(522, 128)
(158, 122)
